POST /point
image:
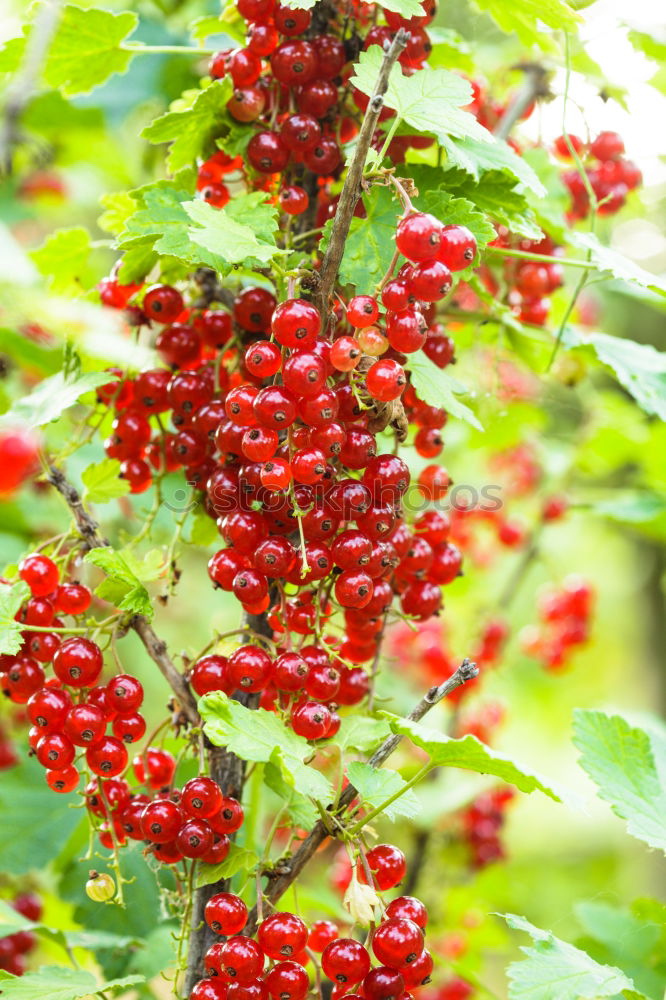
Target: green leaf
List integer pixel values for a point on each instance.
(43, 358)
(405, 8)
(640, 368)
(119, 206)
(631, 942)
(477, 158)
(122, 586)
(137, 262)
(628, 764)
(239, 859)
(63, 258)
(495, 195)
(436, 387)
(192, 130)
(203, 27)
(219, 232)
(470, 754)
(87, 48)
(643, 511)
(236, 139)
(102, 481)
(555, 970)
(23, 812)
(361, 732)
(60, 982)
(50, 398)
(196, 233)
(370, 244)
(260, 736)
(430, 100)
(375, 785)
(300, 810)
(607, 259)
(527, 18)
(454, 211)
(12, 597)
(203, 529)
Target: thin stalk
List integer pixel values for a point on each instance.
(419, 776)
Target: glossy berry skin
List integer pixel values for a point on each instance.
(72, 599)
(249, 668)
(386, 380)
(228, 817)
(457, 248)
(160, 821)
(63, 781)
(383, 983)
(55, 751)
(397, 942)
(387, 864)
(322, 932)
(162, 303)
(293, 199)
(311, 720)
(267, 153)
(201, 797)
(124, 693)
(48, 707)
(263, 359)
(417, 973)
(296, 323)
(107, 758)
(345, 961)
(408, 907)
(288, 981)
(209, 989)
(195, 838)
(241, 960)
(418, 236)
(78, 662)
(282, 935)
(85, 725)
(226, 914)
(40, 573)
(300, 132)
(362, 311)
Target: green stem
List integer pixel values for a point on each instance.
(419, 776)
(138, 49)
(582, 281)
(387, 141)
(539, 258)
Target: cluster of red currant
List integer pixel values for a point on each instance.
(15, 947)
(236, 967)
(193, 822)
(482, 824)
(609, 174)
(565, 623)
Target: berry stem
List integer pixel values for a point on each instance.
(538, 258)
(351, 190)
(419, 776)
(294, 864)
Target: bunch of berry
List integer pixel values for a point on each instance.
(14, 948)
(565, 623)
(236, 967)
(481, 826)
(609, 174)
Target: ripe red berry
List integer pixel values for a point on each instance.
(124, 693)
(226, 913)
(296, 323)
(288, 981)
(397, 942)
(195, 838)
(383, 983)
(229, 816)
(282, 935)
(78, 662)
(162, 303)
(387, 864)
(240, 960)
(40, 573)
(457, 248)
(385, 380)
(418, 236)
(107, 758)
(160, 821)
(201, 797)
(362, 311)
(311, 720)
(345, 961)
(85, 725)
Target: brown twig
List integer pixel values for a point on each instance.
(154, 646)
(291, 867)
(536, 85)
(351, 190)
